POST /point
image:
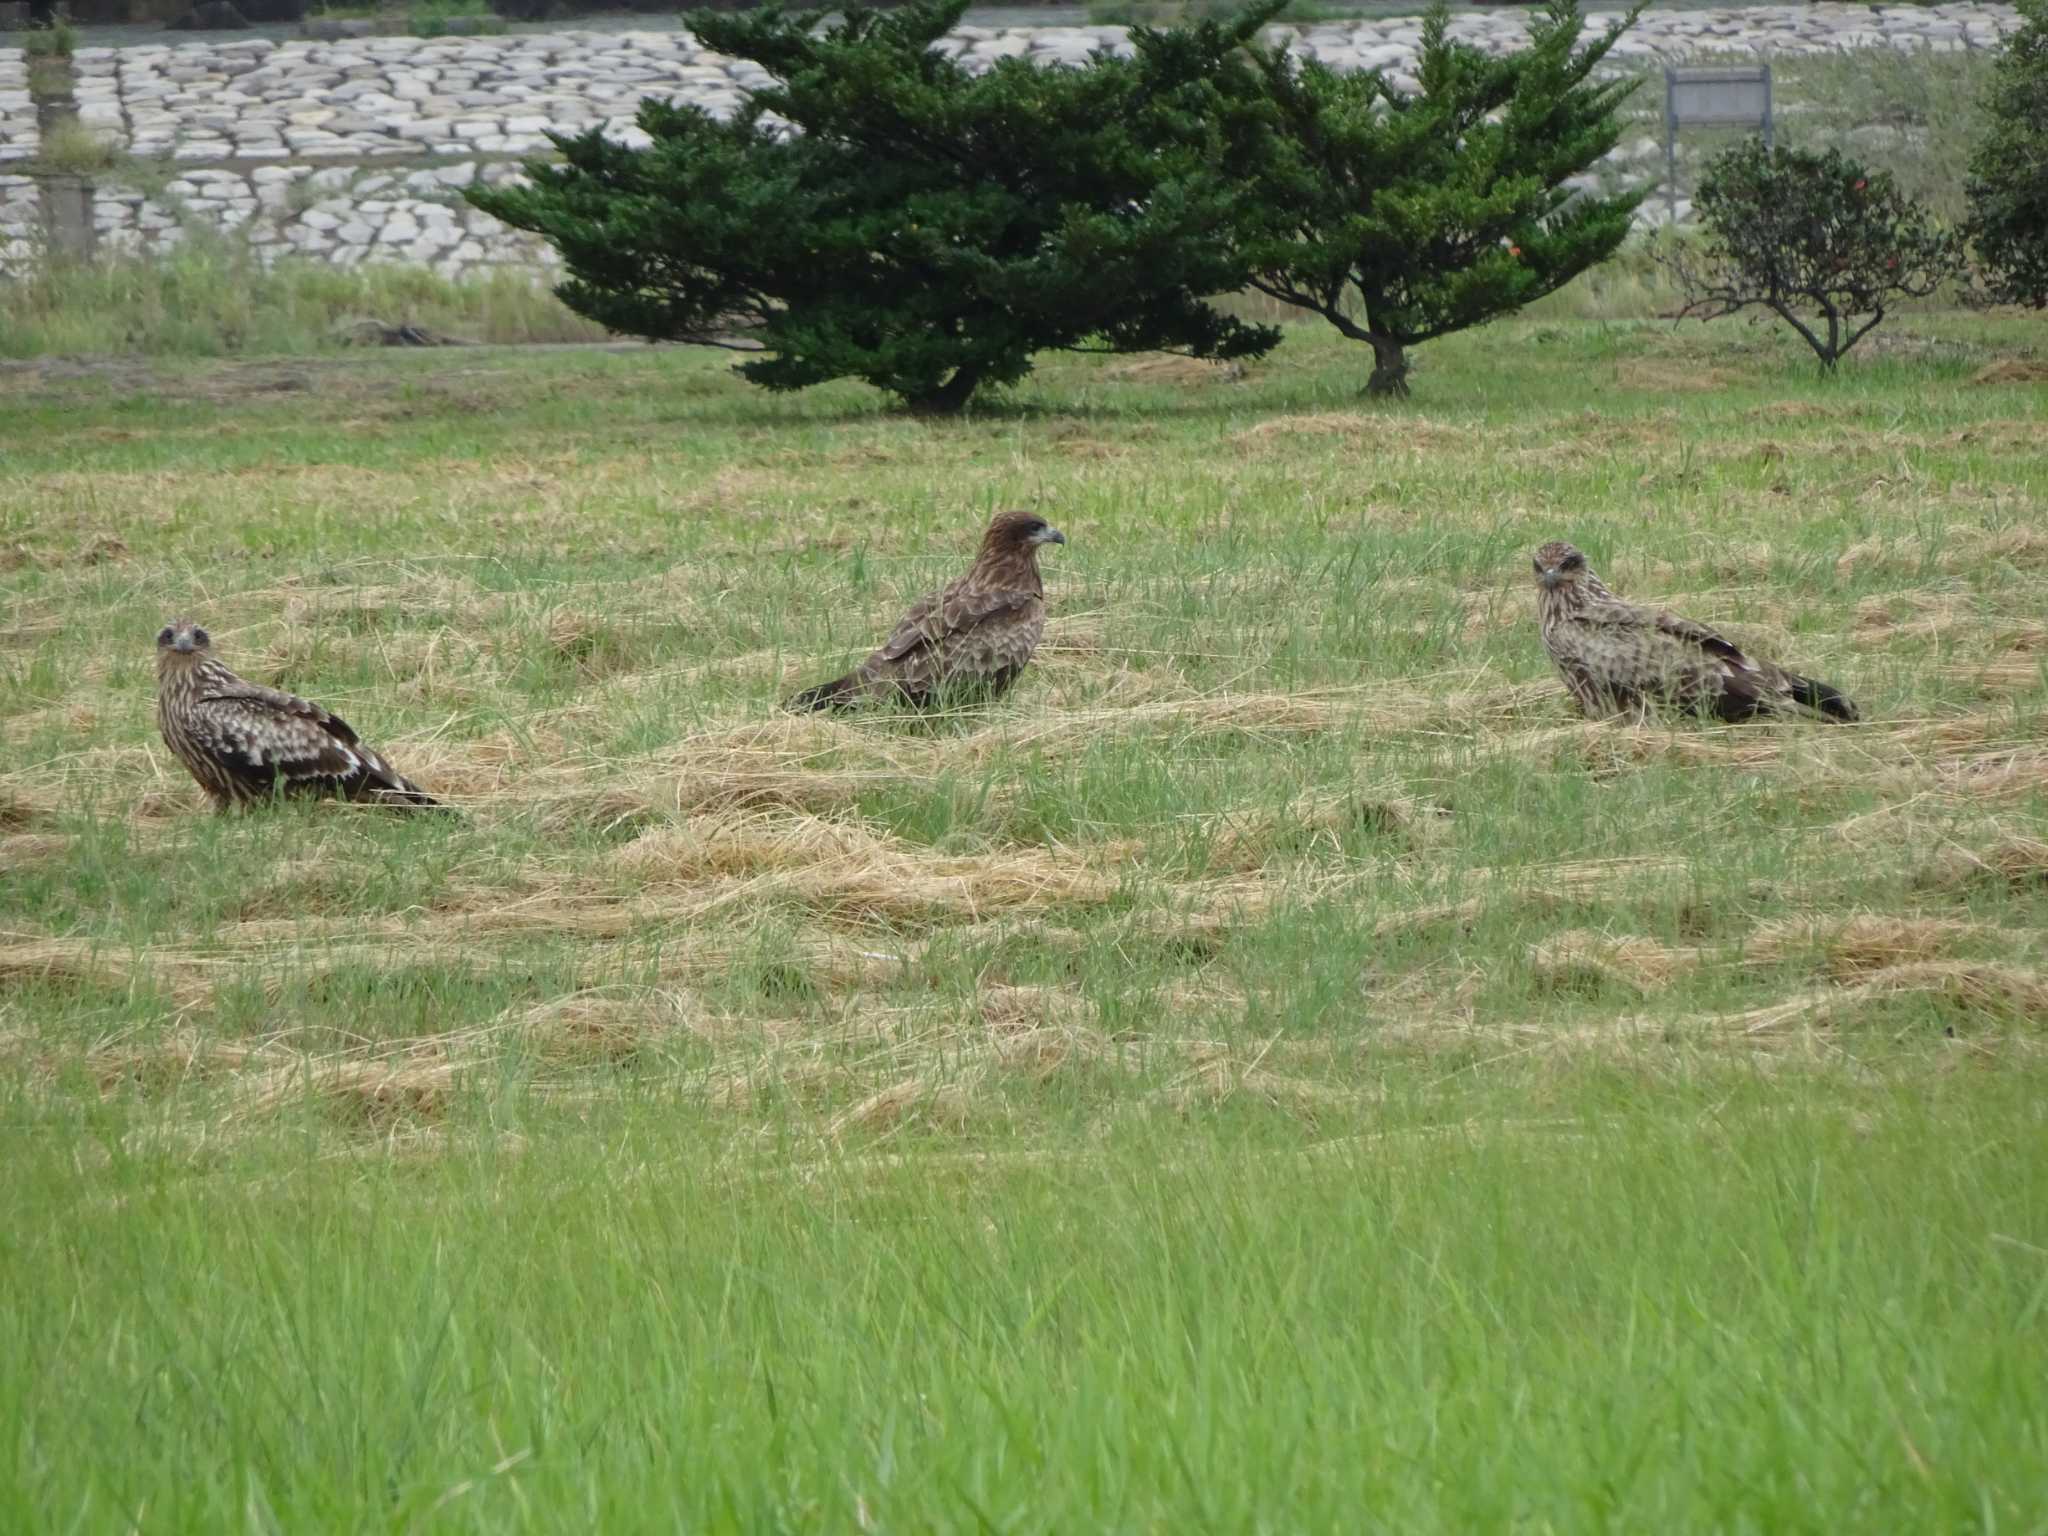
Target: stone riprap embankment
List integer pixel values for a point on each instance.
(374, 97)
(357, 150)
(19, 138)
(341, 215)
(21, 220)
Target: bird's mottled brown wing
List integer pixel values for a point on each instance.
(261, 736)
(962, 634)
(1702, 638)
(1617, 657)
(1581, 682)
(922, 625)
(1642, 654)
(261, 700)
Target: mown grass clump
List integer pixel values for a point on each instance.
(438, 18)
(70, 148)
(55, 41)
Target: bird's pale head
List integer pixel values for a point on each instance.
(1018, 532)
(181, 643)
(1560, 566)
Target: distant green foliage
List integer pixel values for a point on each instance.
(70, 148)
(1157, 13)
(210, 297)
(431, 18)
(928, 230)
(1400, 218)
(2009, 172)
(1821, 242)
(1917, 114)
(56, 41)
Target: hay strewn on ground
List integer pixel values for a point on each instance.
(1290, 687)
(1280, 1024)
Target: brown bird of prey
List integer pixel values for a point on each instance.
(965, 642)
(1617, 658)
(244, 742)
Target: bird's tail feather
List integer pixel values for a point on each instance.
(1829, 701)
(837, 694)
(385, 785)
(403, 792)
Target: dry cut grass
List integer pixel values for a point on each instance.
(1288, 793)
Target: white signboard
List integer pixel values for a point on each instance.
(1725, 98)
(1696, 97)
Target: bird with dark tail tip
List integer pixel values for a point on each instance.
(1617, 658)
(244, 742)
(964, 643)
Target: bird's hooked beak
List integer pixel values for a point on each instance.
(182, 643)
(1550, 578)
(1048, 536)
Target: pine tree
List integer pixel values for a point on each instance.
(2009, 172)
(1443, 209)
(924, 229)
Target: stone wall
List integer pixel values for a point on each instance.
(355, 151)
(19, 138)
(21, 221)
(342, 215)
(372, 97)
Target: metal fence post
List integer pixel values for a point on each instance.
(1670, 145)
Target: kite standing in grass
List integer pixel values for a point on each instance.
(244, 742)
(1617, 658)
(964, 643)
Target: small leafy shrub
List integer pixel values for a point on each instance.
(1816, 239)
(432, 18)
(72, 149)
(56, 41)
(49, 75)
(2008, 185)
(1917, 114)
(443, 17)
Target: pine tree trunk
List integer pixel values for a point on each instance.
(1389, 368)
(951, 397)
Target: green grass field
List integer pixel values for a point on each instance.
(1279, 1070)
